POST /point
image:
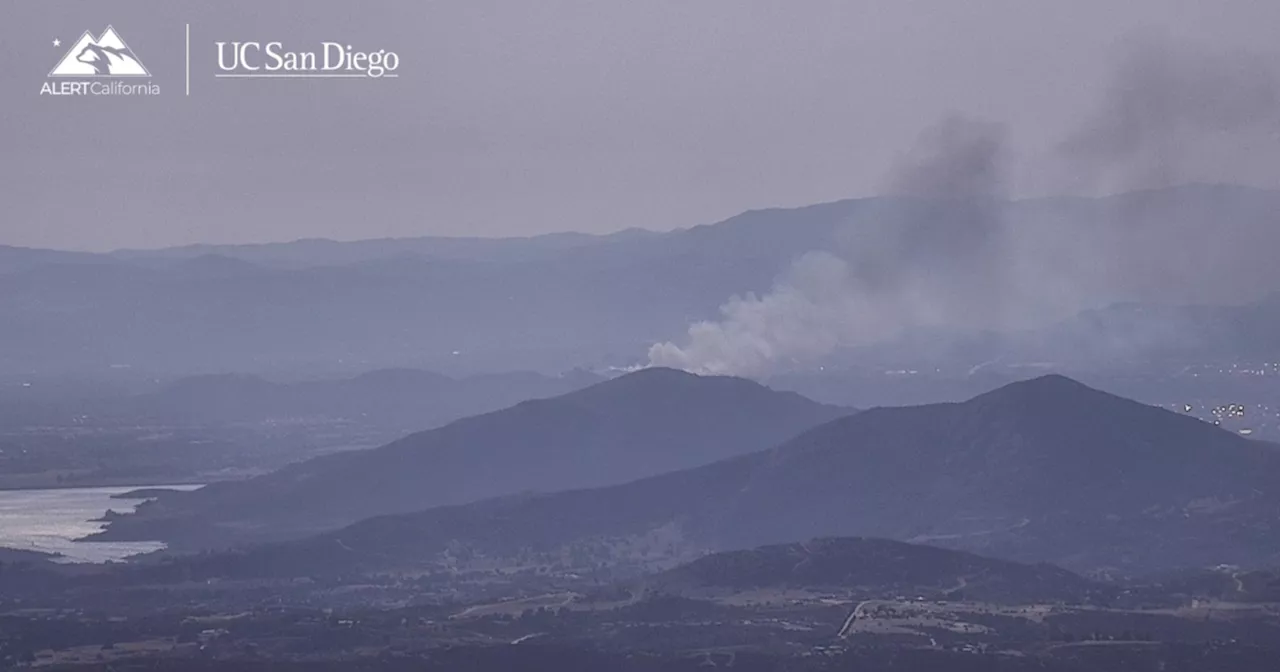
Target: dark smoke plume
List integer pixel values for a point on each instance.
(1165, 104)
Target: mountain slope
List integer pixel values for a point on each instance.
(1045, 470)
(634, 426)
(870, 567)
(410, 399)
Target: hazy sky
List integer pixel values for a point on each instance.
(516, 118)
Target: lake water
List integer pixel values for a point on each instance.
(48, 521)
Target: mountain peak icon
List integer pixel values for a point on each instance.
(106, 56)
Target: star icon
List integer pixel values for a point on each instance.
(57, 42)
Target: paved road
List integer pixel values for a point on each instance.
(853, 617)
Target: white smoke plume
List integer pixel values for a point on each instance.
(932, 260)
(939, 253)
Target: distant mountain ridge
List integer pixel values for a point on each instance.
(1045, 470)
(547, 303)
(314, 252)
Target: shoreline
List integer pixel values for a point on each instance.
(78, 530)
(107, 483)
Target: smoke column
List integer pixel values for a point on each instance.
(933, 258)
(937, 251)
(1165, 107)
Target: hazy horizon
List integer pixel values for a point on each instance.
(356, 238)
(557, 118)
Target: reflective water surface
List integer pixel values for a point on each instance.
(48, 521)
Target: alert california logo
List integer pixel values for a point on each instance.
(99, 66)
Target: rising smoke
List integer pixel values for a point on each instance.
(1164, 108)
(931, 260)
(940, 251)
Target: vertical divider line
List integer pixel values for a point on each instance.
(188, 59)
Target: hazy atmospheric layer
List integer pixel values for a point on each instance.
(516, 118)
